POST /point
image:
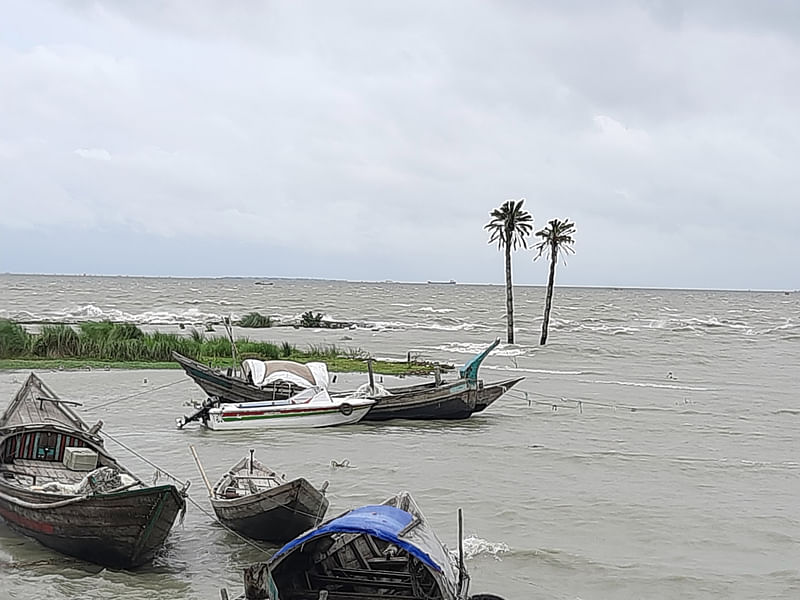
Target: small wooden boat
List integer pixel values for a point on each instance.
(256, 502)
(379, 551)
(60, 486)
(454, 399)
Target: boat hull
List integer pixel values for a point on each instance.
(121, 530)
(277, 515)
(232, 417)
(227, 388)
(450, 401)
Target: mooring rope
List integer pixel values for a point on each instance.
(557, 402)
(147, 391)
(186, 494)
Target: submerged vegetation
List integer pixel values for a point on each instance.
(105, 344)
(309, 319)
(255, 320)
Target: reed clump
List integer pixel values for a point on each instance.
(255, 320)
(101, 343)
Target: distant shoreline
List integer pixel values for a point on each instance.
(276, 279)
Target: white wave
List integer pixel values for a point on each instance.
(539, 371)
(436, 310)
(472, 348)
(90, 312)
(474, 546)
(399, 325)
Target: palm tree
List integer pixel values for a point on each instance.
(509, 227)
(556, 237)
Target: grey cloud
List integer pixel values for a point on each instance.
(372, 130)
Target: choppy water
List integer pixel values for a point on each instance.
(693, 494)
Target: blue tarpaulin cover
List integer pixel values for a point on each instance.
(380, 521)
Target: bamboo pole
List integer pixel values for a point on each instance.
(460, 550)
(200, 467)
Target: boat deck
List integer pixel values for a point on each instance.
(45, 471)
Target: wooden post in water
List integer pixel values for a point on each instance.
(371, 376)
(223, 594)
(255, 581)
(460, 549)
(252, 451)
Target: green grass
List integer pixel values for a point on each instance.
(125, 346)
(255, 320)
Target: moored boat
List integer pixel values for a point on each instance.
(453, 399)
(310, 408)
(257, 502)
(59, 485)
(378, 551)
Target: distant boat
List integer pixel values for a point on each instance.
(451, 282)
(265, 282)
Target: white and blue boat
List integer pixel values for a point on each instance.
(377, 551)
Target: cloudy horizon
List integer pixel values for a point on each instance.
(369, 141)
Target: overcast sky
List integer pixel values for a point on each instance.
(370, 140)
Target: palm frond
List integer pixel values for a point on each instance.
(511, 224)
(556, 238)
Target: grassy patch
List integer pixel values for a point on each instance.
(124, 346)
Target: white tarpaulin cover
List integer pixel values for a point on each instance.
(264, 372)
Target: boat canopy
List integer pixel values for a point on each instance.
(387, 523)
(265, 372)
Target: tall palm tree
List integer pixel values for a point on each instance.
(556, 237)
(509, 227)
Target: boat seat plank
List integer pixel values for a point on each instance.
(365, 581)
(337, 595)
(373, 573)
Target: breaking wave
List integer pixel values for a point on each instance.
(475, 546)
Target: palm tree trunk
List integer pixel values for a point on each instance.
(549, 299)
(509, 295)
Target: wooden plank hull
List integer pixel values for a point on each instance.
(228, 388)
(277, 515)
(453, 400)
(120, 530)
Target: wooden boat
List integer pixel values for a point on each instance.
(60, 486)
(294, 395)
(455, 399)
(380, 551)
(236, 385)
(255, 501)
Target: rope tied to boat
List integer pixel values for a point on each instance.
(141, 393)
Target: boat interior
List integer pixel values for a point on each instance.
(50, 459)
(358, 566)
(248, 476)
(352, 566)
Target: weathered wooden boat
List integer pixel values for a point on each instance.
(256, 381)
(60, 486)
(256, 502)
(379, 551)
(454, 399)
